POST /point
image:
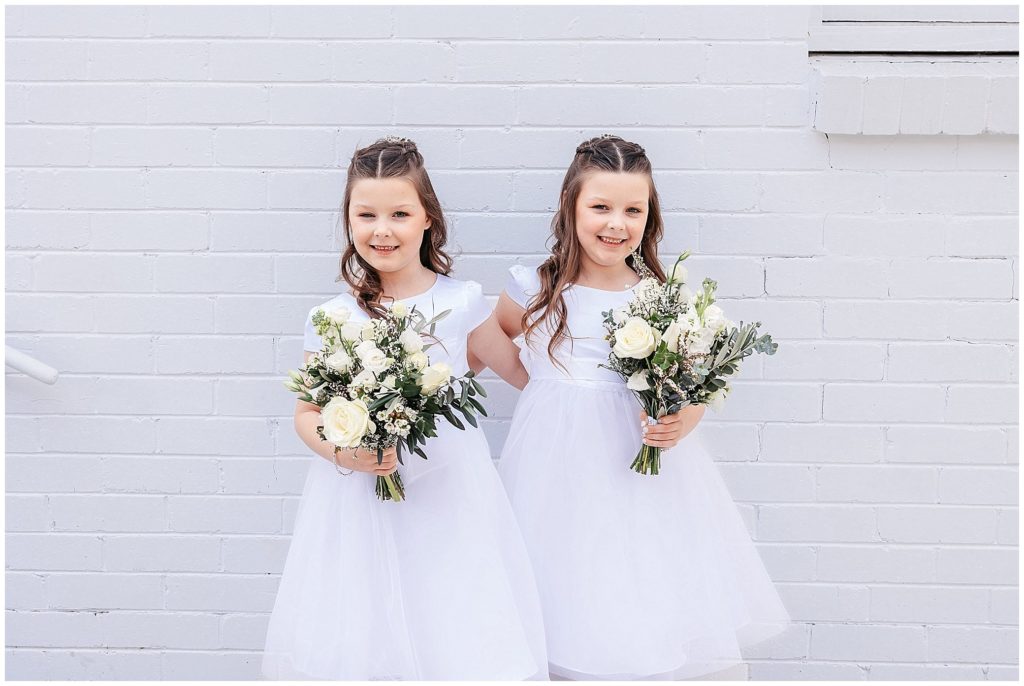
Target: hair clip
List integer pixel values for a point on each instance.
(393, 139)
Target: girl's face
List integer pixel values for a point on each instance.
(388, 222)
(611, 213)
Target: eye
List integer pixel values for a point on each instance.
(636, 209)
(600, 207)
(365, 215)
(400, 213)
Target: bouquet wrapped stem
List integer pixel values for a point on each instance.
(648, 459)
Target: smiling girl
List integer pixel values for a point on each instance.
(641, 577)
(437, 586)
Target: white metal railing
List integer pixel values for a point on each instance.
(30, 365)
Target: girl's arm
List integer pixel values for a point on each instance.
(490, 344)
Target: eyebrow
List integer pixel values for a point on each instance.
(370, 207)
(595, 198)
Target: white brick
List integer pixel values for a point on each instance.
(768, 483)
(945, 445)
(148, 231)
(825, 276)
(149, 60)
(220, 21)
(868, 642)
(963, 565)
(928, 605)
(135, 314)
(255, 554)
(985, 644)
(53, 551)
(923, 99)
(876, 484)
(454, 105)
(152, 147)
(481, 192)
(775, 402)
(165, 630)
(827, 361)
(102, 434)
(221, 355)
(27, 513)
(728, 22)
(74, 395)
(885, 320)
(263, 476)
(549, 21)
(950, 278)
(949, 362)
(297, 190)
(253, 397)
(729, 441)
(874, 153)
(19, 272)
(108, 512)
(181, 665)
(1003, 105)
(518, 61)
(259, 147)
(30, 664)
(887, 236)
(221, 593)
(104, 590)
(883, 100)
(39, 146)
(270, 231)
(213, 273)
(972, 486)
(1008, 527)
(22, 436)
(925, 672)
(616, 62)
(244, 631)
(765, 149)
(982, 237)
(225, 435)
(24, 591)
(85, 189)
(822, 603)
(1003, 606)
(965, 102)
(816, 523)
(43, 629)
(95, 273)
(61, 230)
(255, 515)
(153, 396)
(334, 104)
(163, 474)
(838, 103)
(475, 22)
(948, 524)
(82, 20)
(784, 319)
(743, 62)
(883, 402)
(330, 21)
(876, 563)
(839, 191)
(821, 443)
(788, 562)
(161, 553)
(779, 670)
(207, 104)
(269, 61)
(982, 404)
(950, 192)
(72, 103)
(186, 189)
(679, 105)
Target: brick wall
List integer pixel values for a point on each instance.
(172, 180)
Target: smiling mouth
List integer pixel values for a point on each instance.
(611, 241)
(384, 249)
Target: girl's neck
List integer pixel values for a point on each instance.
(607, 278)
(407, 283)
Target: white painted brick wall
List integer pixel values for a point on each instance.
(197, 154)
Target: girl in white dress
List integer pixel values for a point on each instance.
(641, 576)
(438, 586)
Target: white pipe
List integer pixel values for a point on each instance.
(30, 365)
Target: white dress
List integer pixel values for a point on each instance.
(436, 587)
(640, 576)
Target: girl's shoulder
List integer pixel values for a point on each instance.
(522, 284)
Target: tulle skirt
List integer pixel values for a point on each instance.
(437, 587)
(640, 577)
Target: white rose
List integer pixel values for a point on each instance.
(365, 379)
(646, 287)
(435, 376)
(672, 335)
(620, 314)
(366, 333)
(389, 381)
(714, 318)
(635, 339)
(399, 309)
(350, 331)
(339, 361)
(411, 341)
(346, 422)
(678, 273)
(339, 315)
(700, 340)
(717, 399)
(418, 360)
(372, 357)
(638, 382)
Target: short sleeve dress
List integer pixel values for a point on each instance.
(640, 576)
(436, 587)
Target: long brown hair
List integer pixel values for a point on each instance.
(602, 153)
(389, 158)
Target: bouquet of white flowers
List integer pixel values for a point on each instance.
(376, 387)
(675, 348)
